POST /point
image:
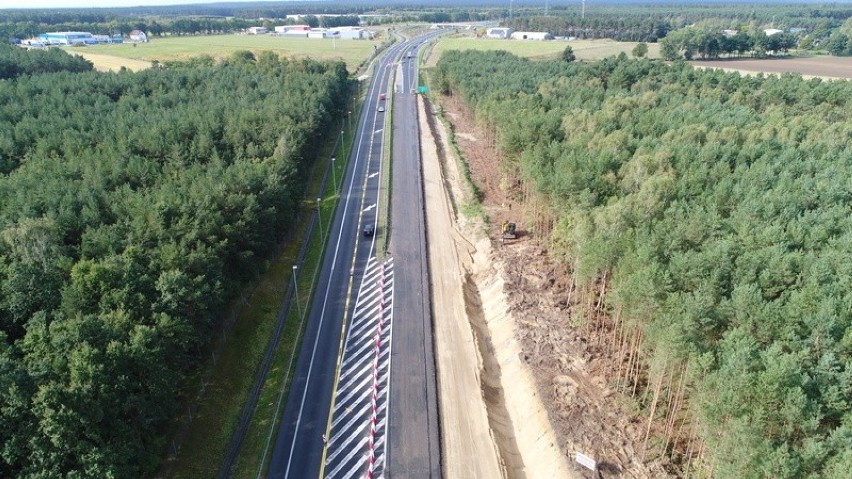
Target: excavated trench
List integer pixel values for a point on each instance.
(492, 386)
(493, 420)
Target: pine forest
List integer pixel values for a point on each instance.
(706, 219)
(132, 208)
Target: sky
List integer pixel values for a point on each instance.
(100, 3)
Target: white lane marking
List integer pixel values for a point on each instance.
(386, 352)
(369, 208)
(373, 89)
(370, 297)
(373, 175)
(359, 449)
(354, 390)
(340, 447)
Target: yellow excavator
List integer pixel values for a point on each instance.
(509, 230)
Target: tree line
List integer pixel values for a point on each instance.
(840, 41)
(132, 208)
(705, 218)
(813, 27)
(15, 62)
(695, 29)
(710, 41)
(123, 26)
(641, 23)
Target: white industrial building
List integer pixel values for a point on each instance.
(320, 33)
(257, 30)
(68, 38)
(531, 36)
(352, 33)
(299, 31)
(343, 33)
(500, 33)
(34, 42)
(108, 38)
(294, 34)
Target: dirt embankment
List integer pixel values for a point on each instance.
(468, 446)
(544, 382)
(493, 421)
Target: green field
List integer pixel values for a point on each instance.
(353, 52)
(583, 49)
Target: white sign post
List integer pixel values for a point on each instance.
(587, 461)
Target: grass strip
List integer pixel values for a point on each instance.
(220, 408)
(171, 48)
(218, 411)
(256, 453)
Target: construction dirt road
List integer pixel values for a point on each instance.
(520, 391)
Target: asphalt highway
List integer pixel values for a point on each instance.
(413, 445)
(413, 435)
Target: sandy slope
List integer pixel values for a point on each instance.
(468, 448)
(493, 421)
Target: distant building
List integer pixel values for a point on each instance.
(531, 36)
(138, 36)
(729, 32)
(108, 38)
(319, 33)
(352, 33)
(68, 38)
(299, 31)
(772, 31)
(292, 28)
(501, 33)
(305, 31)
(33, 42)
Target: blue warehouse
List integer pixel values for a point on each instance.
(68, 38)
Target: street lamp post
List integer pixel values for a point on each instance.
(319, 217)
(349, 114)
(333, 174)
(296, 287)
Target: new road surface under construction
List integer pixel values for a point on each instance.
(363, 399)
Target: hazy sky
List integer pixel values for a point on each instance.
(98, 3)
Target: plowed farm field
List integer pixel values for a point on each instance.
(812, 67)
